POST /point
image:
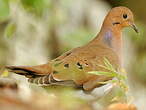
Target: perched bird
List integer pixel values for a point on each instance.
(72, 67)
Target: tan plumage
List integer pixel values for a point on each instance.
(72, 67)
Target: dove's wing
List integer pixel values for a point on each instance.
(77, 64)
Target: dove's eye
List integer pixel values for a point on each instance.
(125, 16)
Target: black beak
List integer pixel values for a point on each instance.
(135, 28)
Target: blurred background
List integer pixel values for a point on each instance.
(35, 31)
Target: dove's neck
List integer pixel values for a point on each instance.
(110, 37)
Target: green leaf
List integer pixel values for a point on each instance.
(121, 77)
(10, 30)
(35, 6)
(110, 81)
(109, 74)
(108, 64)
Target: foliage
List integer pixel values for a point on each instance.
(10, 30)
(119, 79)
(34, 6)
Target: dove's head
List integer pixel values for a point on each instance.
(120, 17)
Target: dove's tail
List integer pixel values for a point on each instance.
(49, 80)
(31, 71)
(40, 74)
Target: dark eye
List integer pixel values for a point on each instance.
(125, 16)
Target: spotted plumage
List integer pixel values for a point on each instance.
(71, 68)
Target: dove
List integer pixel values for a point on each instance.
(72, 68)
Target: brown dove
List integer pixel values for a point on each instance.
(72, 67)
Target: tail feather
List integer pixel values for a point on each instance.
(49, 80)
(31, 71)
(40, 75)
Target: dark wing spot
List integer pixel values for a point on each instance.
(66, 65)
(55, 72)
(79, 65)
(86, 64)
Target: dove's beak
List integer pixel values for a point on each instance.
(134, 27)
